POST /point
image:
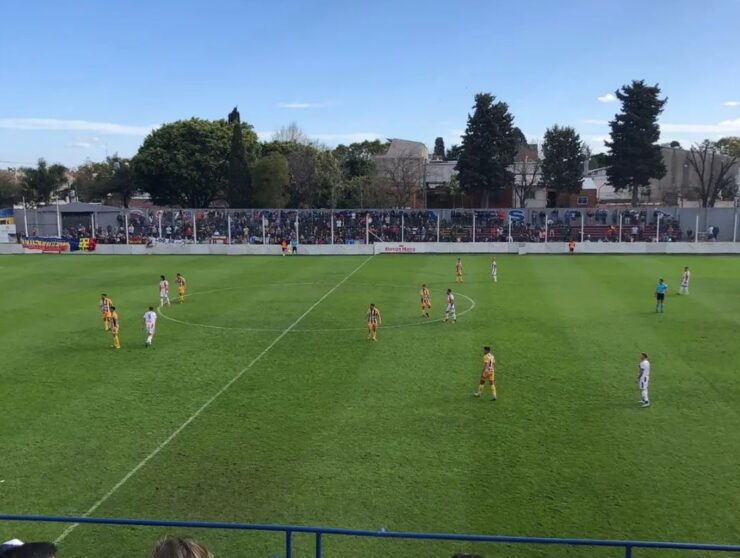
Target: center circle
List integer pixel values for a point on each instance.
(261, 307)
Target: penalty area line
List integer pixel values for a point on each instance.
(207, 404)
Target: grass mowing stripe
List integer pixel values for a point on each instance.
(205, 405)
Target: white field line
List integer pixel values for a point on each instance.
(312, 330)
(205, 405)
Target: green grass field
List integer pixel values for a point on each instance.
(326, 428)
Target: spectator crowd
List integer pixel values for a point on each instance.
(222, 226)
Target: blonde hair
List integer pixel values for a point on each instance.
(179, 547)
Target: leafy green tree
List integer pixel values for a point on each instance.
(41, 184)
(186, 163)
(488, 148)
(564, 155)
(598, 161)
(439, 149)
(521, 138)
(97, 180)
(356, 159)
(239, 188)
(10, 190)
(730, 146)
(634, 155)
(453, 153)
(270, 179)
(330, 185)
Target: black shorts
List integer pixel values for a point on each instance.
(660, 297)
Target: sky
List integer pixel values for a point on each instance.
(79, 79)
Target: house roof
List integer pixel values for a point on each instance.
(406, 149)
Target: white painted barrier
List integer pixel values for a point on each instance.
(521, 248)
(557, 248)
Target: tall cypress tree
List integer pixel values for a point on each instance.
(439, 148)
(239, 192)
(562, 168)
(634, 156)
(488, 148)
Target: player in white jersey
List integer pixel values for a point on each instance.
(643, 378)
(494, 269)
(164, 292)
(450, 309)
(685, 278)
(150, 324)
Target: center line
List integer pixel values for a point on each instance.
(205, 405)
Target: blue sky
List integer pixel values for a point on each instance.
(79, 78)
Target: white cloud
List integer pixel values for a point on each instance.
(608, 98)
(80, 144)
(296, 105)
(54, 124)
(732, 103)
(724, 127)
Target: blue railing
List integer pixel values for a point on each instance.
(320, 532)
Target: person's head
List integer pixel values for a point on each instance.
(643, 356)
(459, 259)
(105, 295)
(686, 268)
(113, 308)
(31, 550)
(486, 349)
(179, 275)
(660, 280)
(179, 547)
(449, 291)
(151, 308)
(372, 305)
(424, 286)
(161, 277)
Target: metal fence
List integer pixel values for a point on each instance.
(251, 226)
(321, 533)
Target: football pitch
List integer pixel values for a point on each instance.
(261, 401)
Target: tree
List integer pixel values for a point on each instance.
(238, 192)
(562, 167)
(439, 149)
(598, 161)
(402, 178)
(186, 162)
(730, 145)
(356, 159)
(521, 138)
(453, 153)
(715, 172)
(270, 178)
(292, 134)
(10, 189)
(330, 187)
(527, 177)
(114, 176)
(302, 165)
(488, 147)
(42, 184)
(634, 156)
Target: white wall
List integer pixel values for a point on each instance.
(410, 248)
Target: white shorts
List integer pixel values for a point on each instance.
(163, 295)
(643, 382)
(149, 329)
(451, 308)
(684, 285)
